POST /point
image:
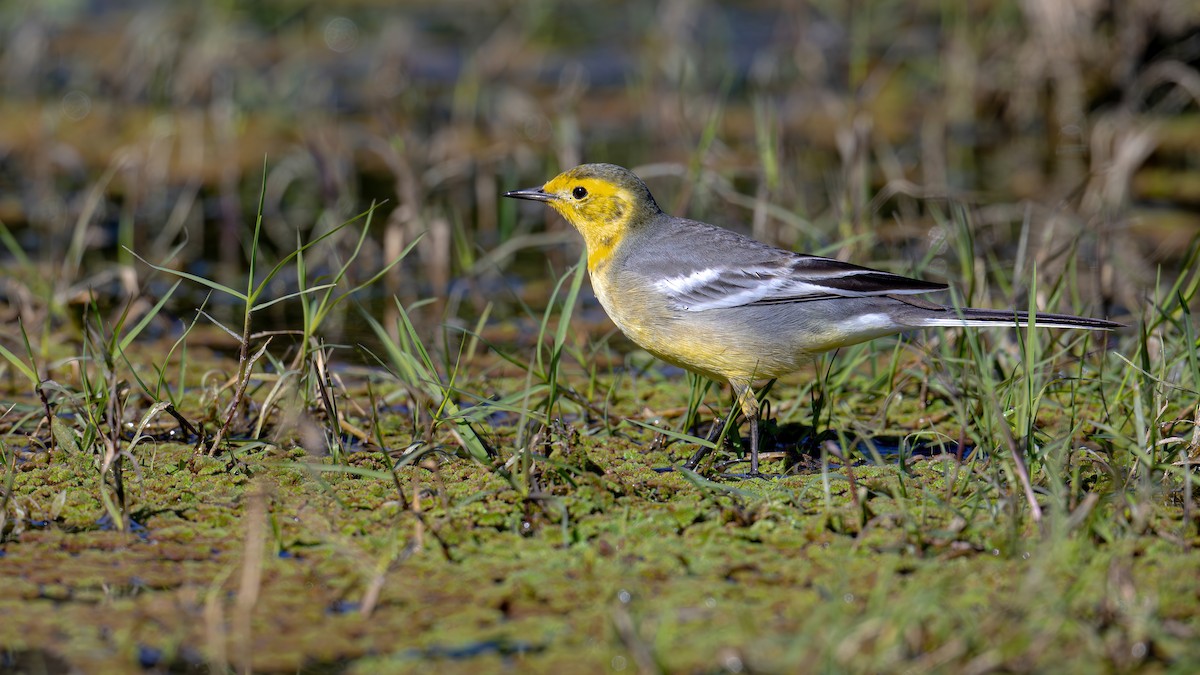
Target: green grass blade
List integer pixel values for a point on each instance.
(222, 288)
(24, 368)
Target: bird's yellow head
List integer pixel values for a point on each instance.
(603, 201)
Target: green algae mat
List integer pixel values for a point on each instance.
(595, 551)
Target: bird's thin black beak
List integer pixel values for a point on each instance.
(536, 194)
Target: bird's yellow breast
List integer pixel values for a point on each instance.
(707, 343)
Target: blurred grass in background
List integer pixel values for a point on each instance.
(817, 125)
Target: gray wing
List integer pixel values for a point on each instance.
(790, 277)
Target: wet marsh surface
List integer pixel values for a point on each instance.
(589, 557)
(287, 387)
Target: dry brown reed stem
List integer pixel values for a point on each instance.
(245, 370)
(250, 584)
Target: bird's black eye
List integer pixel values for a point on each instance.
(579, 192)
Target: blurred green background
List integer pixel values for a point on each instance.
(842, 128)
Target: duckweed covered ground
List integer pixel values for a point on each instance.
(594, 559)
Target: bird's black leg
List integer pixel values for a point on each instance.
(755, 441)
(754, 444)
(744, 394)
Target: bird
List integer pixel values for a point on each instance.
(729, 307)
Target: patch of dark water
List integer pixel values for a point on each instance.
(28, 453)
(148, 657)
(106, 591)
(105, 523)
(180, 431)
(395, 409)
(343, 607)
(470, 650)
(33, 661)
(801, 447)
(45, 524)
(479, 412)
(187, 660)
(175, 434)
(900, 449)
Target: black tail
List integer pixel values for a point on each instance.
(969, 316)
